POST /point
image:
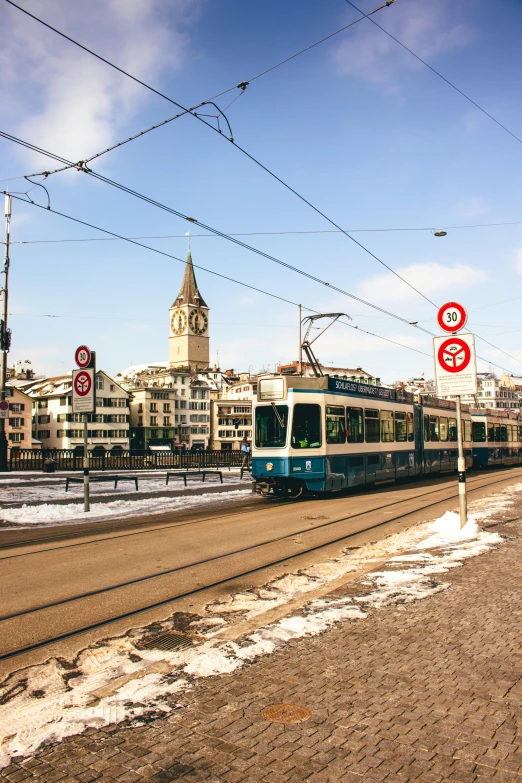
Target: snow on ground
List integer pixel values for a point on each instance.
(55, 513)
(54, 488)
(115, 679)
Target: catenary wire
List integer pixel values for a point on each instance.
(258, 163)
(194, 221)
(265, 233)
(241, 149)
(437, 73)
(210, 271)
(251, 157)
(232, 239)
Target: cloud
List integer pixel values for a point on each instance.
(427, 28)
(431, 278)
(64, 99)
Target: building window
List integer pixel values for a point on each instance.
(16, 437)
(111, 387)
(154, 433)
(153, 421)
(46, 418)
(43, 434)
(166, 421)
(16, 407)
(154, 407)
(43, 403)
(99, 382)
(140, 421)
(140, 408)
(64, 401)
(17, 422)
(166, 407)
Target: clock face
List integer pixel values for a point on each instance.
(178, 322)
(198, 321)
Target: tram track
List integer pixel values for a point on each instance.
(449, 494)
(150, 528)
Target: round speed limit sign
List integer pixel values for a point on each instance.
(452, 317)
(82, 356)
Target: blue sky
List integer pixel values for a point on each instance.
(356, 125)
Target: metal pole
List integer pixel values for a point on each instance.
(86, 506)
(4, 335)
(463, 501)
(300, 354)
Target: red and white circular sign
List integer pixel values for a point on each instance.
(454, 355)
(82, 384)
(82, 357)
(4, 405)
(452, 317)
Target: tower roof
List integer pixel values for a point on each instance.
(189, 291)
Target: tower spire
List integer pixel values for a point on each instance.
(189, 291)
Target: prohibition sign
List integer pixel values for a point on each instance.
(454, 355)
(82, 384)
(82, 356)
(452, 317)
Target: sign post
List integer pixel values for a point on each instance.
(84, 401)
(456, 374)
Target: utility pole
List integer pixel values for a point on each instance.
(5, 336)
(300, 354)
(461, 468)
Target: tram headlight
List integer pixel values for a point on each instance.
(269, 466)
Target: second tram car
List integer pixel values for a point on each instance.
(327, 434)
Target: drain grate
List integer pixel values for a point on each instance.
(286, 713)
(168, 641)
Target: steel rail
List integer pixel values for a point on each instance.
(226, 580)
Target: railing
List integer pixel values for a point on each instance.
(67, 459)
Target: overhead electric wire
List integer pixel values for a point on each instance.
(261, 165)
(194, 221)
(241, 149)
(437, 73)
(260, 233)
(204, 269)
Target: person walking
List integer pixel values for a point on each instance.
(245, 453)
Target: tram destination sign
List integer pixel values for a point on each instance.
(365, 390)
(455, 365)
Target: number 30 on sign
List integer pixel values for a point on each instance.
(452, 317)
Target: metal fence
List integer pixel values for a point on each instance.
(67, 459)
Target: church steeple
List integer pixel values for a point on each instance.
(189, 291)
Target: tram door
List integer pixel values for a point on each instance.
(416, 457)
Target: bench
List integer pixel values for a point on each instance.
(184, 473)
(74, 480)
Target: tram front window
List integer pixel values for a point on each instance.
(271, 426)
(306, 427)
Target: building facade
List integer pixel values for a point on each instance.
(19, 426)
(57, 427)
(492, 393)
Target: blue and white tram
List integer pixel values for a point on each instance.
(497, 439)
(327, 434)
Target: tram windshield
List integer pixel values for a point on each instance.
(271, 426)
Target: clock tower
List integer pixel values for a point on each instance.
(189, 339)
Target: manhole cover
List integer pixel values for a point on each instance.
(168, 641)
(286, 713)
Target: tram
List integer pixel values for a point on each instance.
(325, 434)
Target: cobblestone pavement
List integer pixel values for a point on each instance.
(430, 692)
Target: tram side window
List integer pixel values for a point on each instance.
(387, 426)
(479, 432)
(426, 428)
(271, 426)
(409, 421)
(520, 433)
(491, 432)
(400, 427)
(503, 433)
(498, 436)
(443, 428)
(453, 430)
(371, 424)
(354, 419)
(434, 428)
(509, 433)
(335, 424)
(306, 426)
(467, 431)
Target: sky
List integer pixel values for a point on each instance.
(357, 126)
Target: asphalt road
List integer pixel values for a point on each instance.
(129, 565)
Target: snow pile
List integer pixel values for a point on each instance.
(49, 513)
(114, 680)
